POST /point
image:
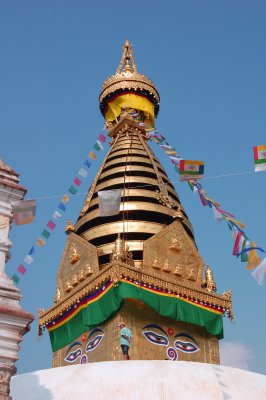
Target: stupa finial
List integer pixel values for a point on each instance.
(127, 63)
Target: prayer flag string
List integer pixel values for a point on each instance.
(243, 247)
(61, 208)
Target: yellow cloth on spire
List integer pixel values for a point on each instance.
(128, 100)
(253, 258)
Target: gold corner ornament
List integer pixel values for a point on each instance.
(69, 227)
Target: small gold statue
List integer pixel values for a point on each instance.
(57, 295)
(155, 263)
(191, 274)
(81, 276)
(176, 244)
(178, 270)
(74, 280)
(88, 270)
(166, 267)
(68, 286)
(129, 256)
(74, 256)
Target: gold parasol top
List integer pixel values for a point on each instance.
(127, 78)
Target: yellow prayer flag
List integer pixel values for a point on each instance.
(92, 155)
(65, 198)
(253, 258)
(40, 242)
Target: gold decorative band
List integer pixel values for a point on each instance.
(120, 227)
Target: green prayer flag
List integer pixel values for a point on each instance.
(96, 147)
(244, 256)
(15, 278)
(72, 189)
(45, 234)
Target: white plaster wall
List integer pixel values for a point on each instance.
(140, 380)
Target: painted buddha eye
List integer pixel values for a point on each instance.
(92, 344)
(73, 356)
(155, 338)
(186, 347)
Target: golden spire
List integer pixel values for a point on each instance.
(127, 60)
(128, 79)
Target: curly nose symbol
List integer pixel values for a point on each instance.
(172, 354)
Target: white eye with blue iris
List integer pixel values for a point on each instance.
(155, 338)
(73, 355)
(92, 344)
(186, 347)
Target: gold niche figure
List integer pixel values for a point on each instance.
(166, 267)
(191, 274)
(129, 256)
(81, 275)
(176, 244)
(57, 295)
(74, 280)
(178, 270)
(155, 263)
(68, 286)
(88, 270)
(74, 255)
(209, 280)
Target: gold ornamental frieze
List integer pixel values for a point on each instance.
(118, 271)
(173, 251)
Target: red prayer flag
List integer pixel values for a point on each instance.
(237, 241)
(77, 181)
(102, 138)
(21, 269)
(51, 225)
(202, 198)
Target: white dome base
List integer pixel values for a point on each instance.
(164, 380)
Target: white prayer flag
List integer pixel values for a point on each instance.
(217, 215)
(83, 172)
(28, 259)
(259, 272)
(109, 202)
(56, 215)
(24, 212)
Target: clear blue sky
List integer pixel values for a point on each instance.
(207, 59)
